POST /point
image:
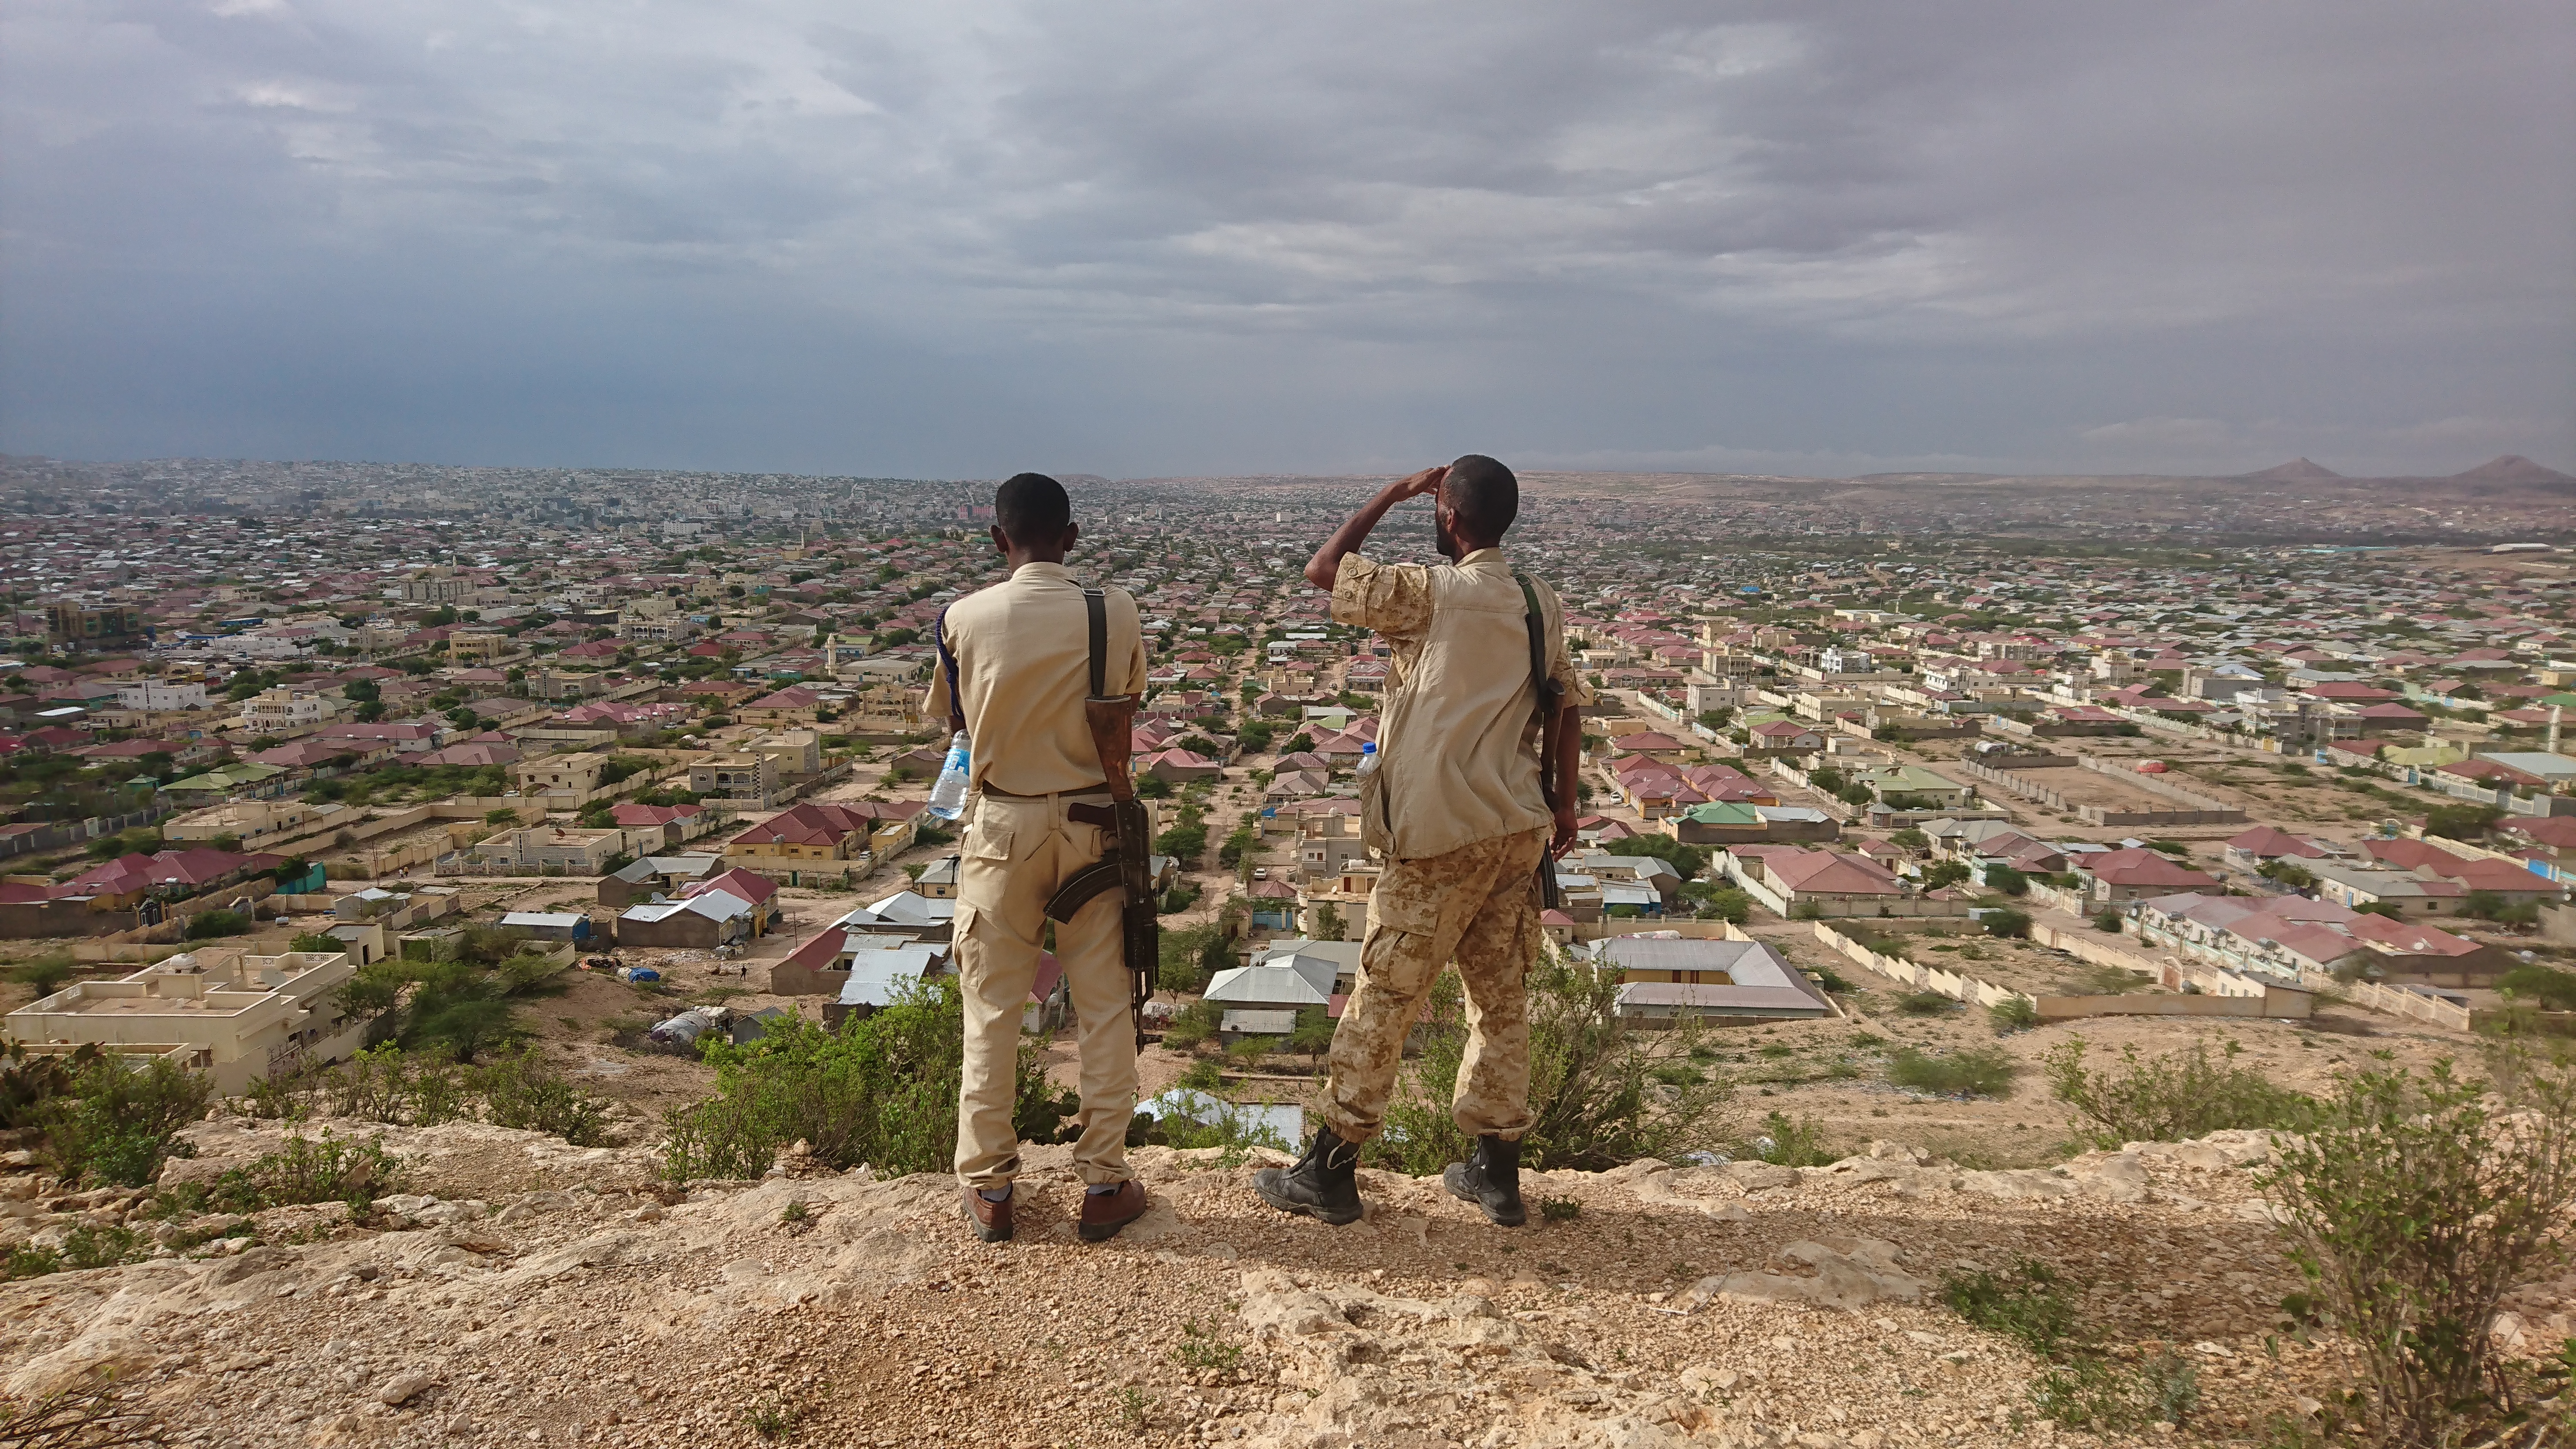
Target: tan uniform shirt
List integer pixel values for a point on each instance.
(1023, 652)
(1459, 739)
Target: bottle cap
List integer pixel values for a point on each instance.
(1368, 747)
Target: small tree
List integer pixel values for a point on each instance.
(46, 974)
(1328, 922)
(2412, 1205)
(1313, 1034)
(2007, 880)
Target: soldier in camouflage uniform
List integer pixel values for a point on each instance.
(1455, 810)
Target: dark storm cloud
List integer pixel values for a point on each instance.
(1156, 237)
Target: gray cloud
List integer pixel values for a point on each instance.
(1157, 238)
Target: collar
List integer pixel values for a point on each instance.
(1041, 571)
(1492, 556)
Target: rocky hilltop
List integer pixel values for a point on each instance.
(523, 1291)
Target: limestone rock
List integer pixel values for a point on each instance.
(402, 1388)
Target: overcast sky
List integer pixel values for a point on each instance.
(957, 239)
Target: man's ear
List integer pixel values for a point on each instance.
(1001, 541)
(1072, 535)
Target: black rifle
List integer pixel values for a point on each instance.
(1551, 729)
(1112, 721)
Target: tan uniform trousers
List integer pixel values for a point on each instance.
(1480, 904)
(1018, 849)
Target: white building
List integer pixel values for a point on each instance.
(161, 694)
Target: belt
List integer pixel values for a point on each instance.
(1086, 792)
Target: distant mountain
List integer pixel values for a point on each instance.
(2512, 468)
(2297, 470)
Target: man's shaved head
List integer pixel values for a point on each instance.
(1483, 495)
(1032, 509)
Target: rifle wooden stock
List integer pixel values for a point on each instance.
(1113, 733)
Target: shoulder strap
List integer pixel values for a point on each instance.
(948, 661)
(1096, 605)
(1548, 688)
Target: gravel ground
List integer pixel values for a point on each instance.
(534, 1293)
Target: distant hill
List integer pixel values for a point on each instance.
(2512, 468)
(2297, 470)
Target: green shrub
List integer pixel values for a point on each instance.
(2107, 922)
(1687, 860)
(2008, 924)
(306, 1170)
(28, 1083)
(84, 1247)
(1791, 1143)
(1717, 901)
(1967, 1072)
(2168, 1098)
(2082, 1386)
(319, 941)
(2027, 1303)
(46, 974)
(1925, 1003)
(2012, 1014)
(520, 1090)
(209, 925)
(2550, 987)
(1203, 1075)
(1594, 1103)
(2413, 1204)
(1193, 1026)
(120, 1123)
(881, 1091)
(1244, 1053)
(1229, 1126)
(1190, 957)
(2007, 880)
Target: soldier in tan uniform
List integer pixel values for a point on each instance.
(1020, 656)
(1456, 811)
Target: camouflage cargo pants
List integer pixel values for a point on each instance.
(1478, 903)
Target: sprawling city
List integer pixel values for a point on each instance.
(369, 792)
(844, 725)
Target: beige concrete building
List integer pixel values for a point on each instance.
(575, 774)
(540, 848)
(474, 646)
(750, 778)
(219, 1010)
(792, 752)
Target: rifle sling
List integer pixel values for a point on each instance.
(948, 661)
(1095, 604)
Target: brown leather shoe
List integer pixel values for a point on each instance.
(991, 1220)
(1104, 1213)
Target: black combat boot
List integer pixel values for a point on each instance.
(1321, 1185)
(1491, 1179)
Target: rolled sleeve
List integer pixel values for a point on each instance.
(1560, 668)
(1393, 599)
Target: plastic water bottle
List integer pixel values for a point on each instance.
(1368, 757)
(948, 793)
